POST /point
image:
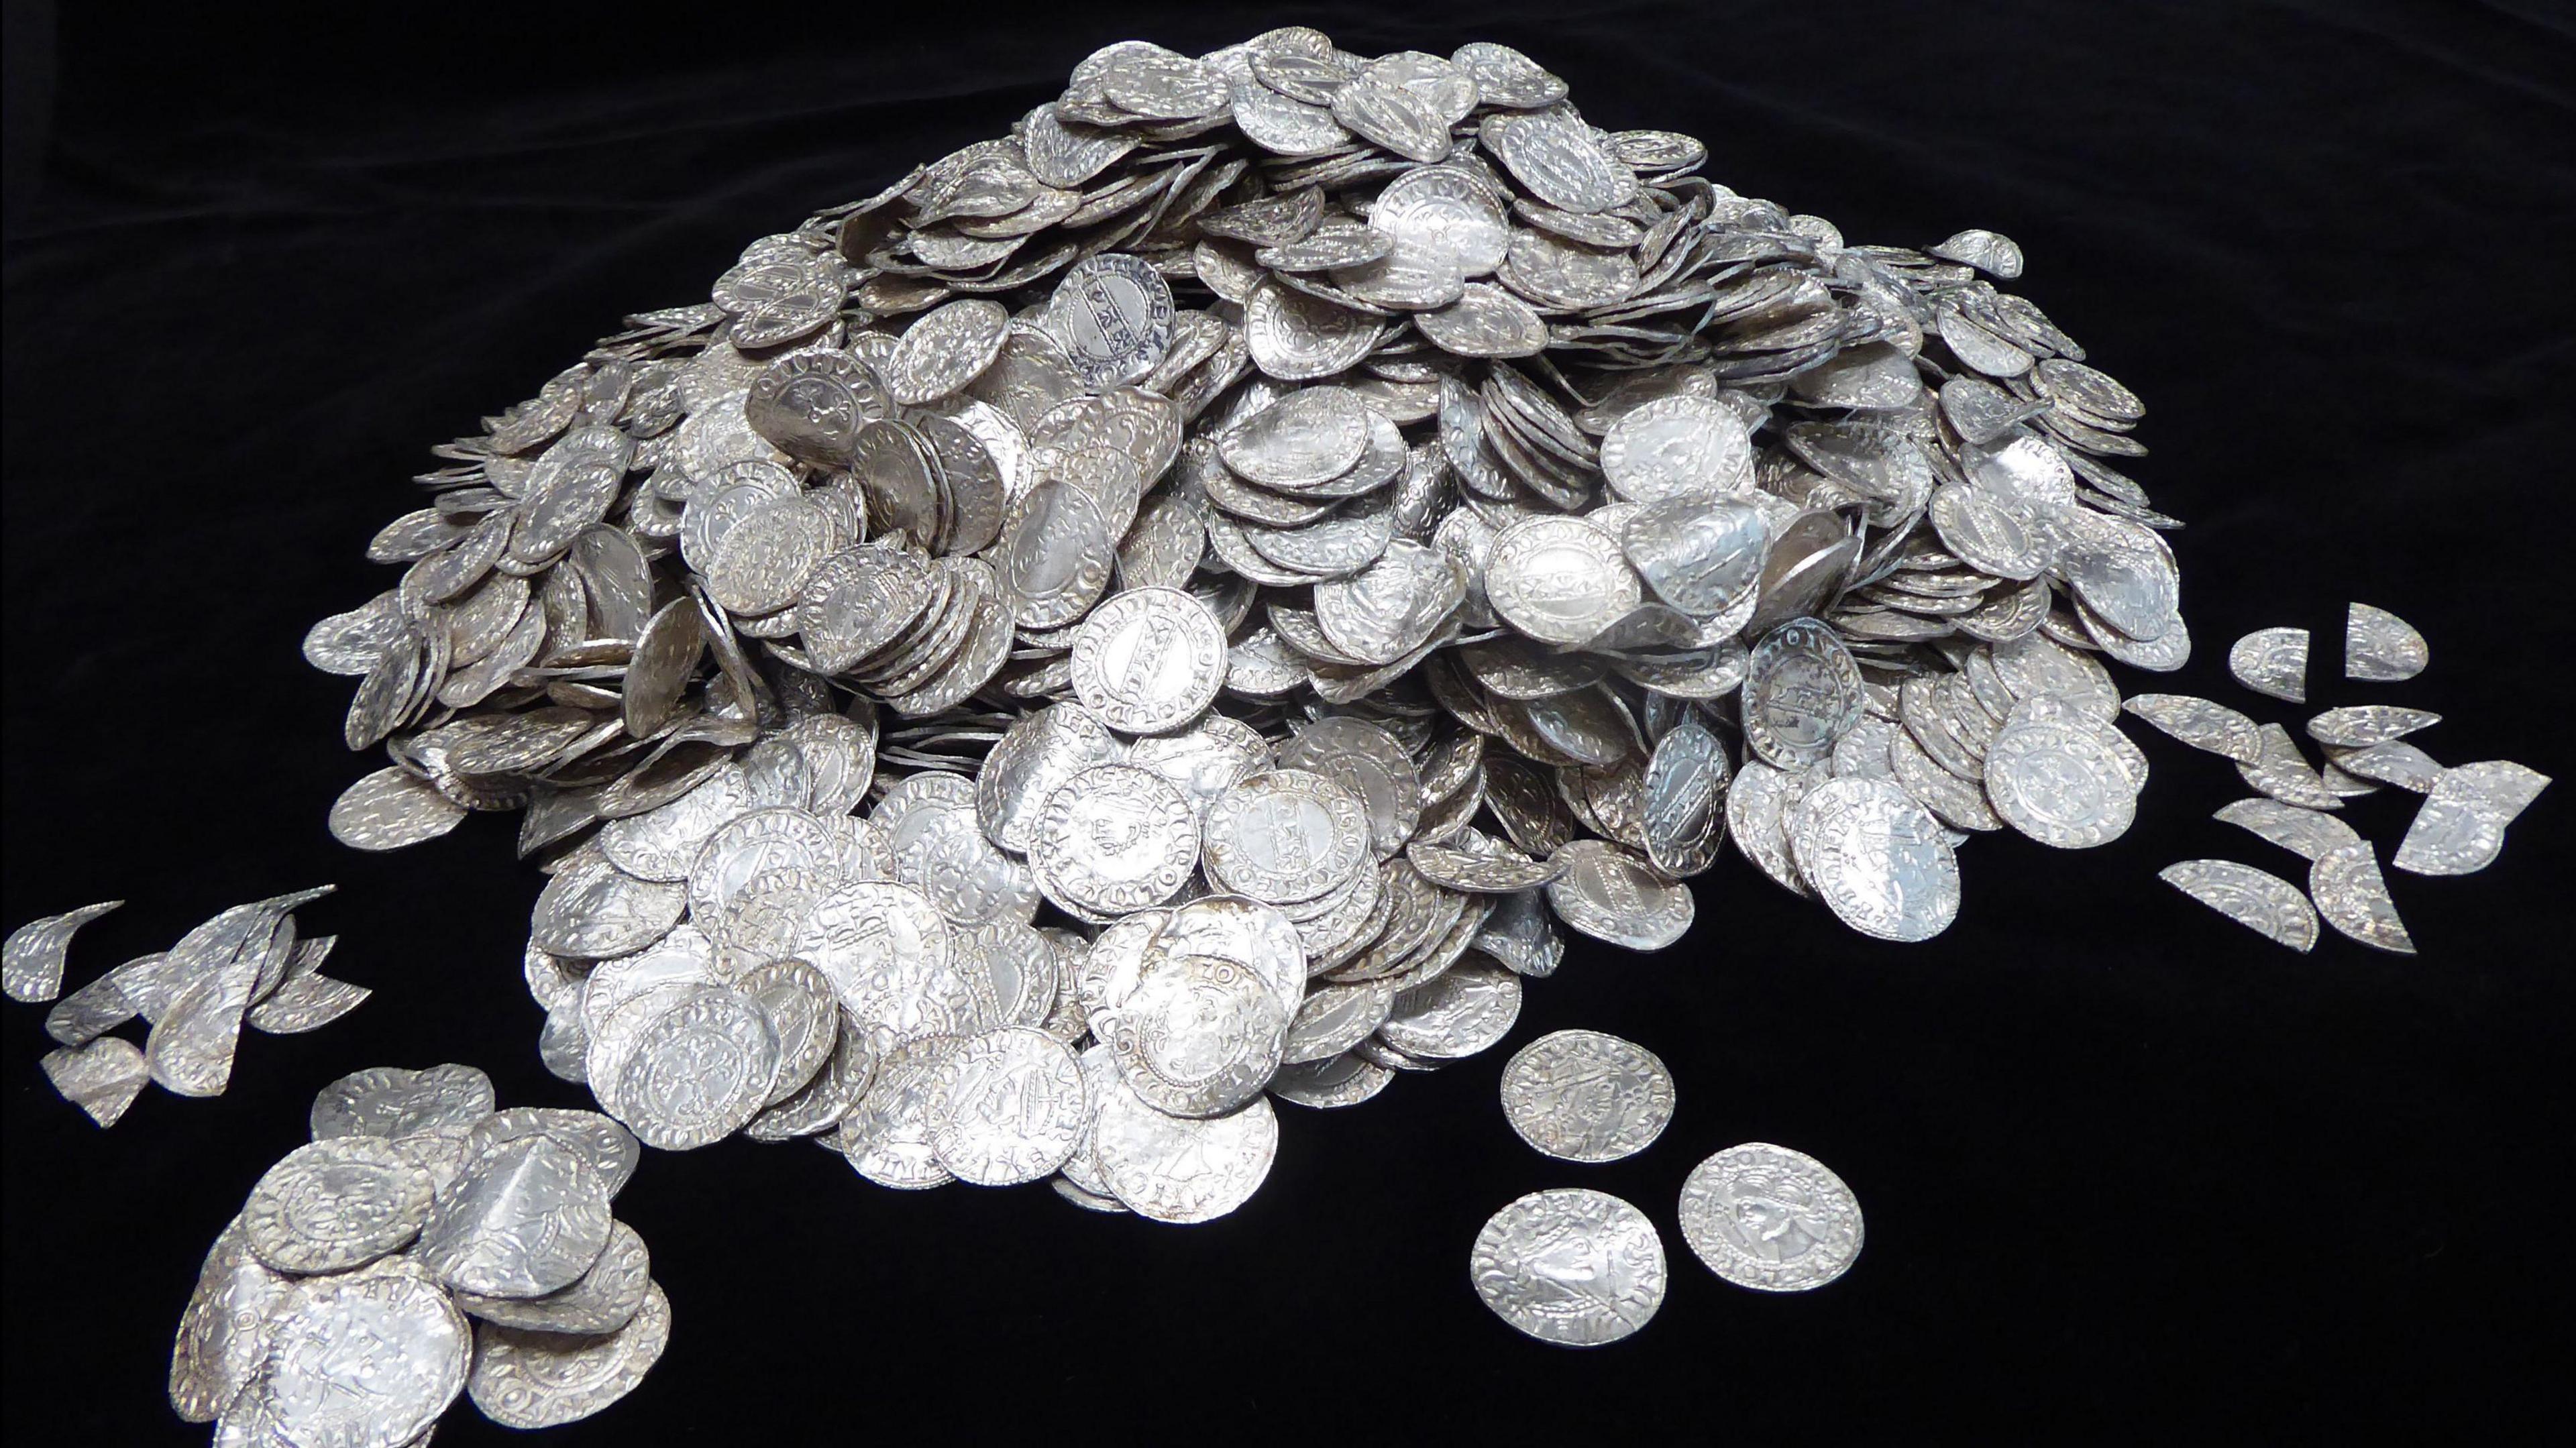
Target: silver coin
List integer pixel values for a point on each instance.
(391, 1102)
(2060, 784)
(1572, 1267)
(1801, 693)
(1677, 447)
(949, 347)
(2265, 904)
(365, 1359)
(1007, 1106)
(2352, 896)
(1610, 894)
(31, 960)
(1771, 1219)
(2459, 829)
(1587, 1096)
(527, 1217)
(886, 1136)
(1876, 857)
(1114, 314)
(334, 1204)
(392, 808)
(2381, 648)
(2272, 661)
(2199, 723)
(1182, 1169)
(1198, 1035)
(102, 1076)
(1149, 660)
(1559, 580)
(1286, 835)
(603, 1299)
(1114, 839)
(536, 1379)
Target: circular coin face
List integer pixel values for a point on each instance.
(1285, 835)
(1877, 857)
(1586, 1096)
(1559, 580)
(1801, 694)
(1771, 1219)
(2059, 784)
(336, 1204)
(368, 1358)
(1008, 1106)
(1573, 1267)
(1114, 839)
(1149, 660)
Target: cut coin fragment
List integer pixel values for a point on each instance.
(2266, 904)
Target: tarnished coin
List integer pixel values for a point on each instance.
(2266, 904)
(1587, 1096)
(1771, 1219)
(1572, 1267)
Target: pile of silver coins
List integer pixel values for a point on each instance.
(424, 1245)
(2458, 830)
(1176, 606)
(245, 967)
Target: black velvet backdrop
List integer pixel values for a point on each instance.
(2127, 1168)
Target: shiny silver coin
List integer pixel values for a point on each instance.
(1586, 1096)
(1572, 1267)
(1771, 1219)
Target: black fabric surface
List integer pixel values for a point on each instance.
(2127, 1168)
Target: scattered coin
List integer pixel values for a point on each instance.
(245, 967)
(1572, 1267)
(2459, 829)
(1586, 1096)
(1771, 1219)
(2272, 661)
(2263, 903)
(2379, 647)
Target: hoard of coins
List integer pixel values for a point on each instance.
(1179, 604)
